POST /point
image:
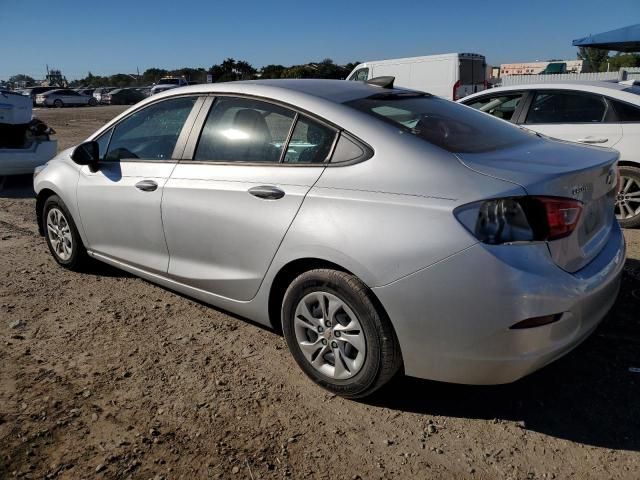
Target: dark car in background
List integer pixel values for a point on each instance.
(123, 96)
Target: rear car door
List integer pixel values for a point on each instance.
(573, 115)
(229, 203)
(120, 203)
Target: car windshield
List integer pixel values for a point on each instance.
(453, 127)
(169, 81)
(633, 89)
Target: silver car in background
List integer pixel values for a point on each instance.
(382, 229)
(64, 97)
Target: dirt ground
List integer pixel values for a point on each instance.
(104, 375)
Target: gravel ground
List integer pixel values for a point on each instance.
(104, 375)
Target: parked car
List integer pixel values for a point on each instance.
(383, 229)
(146, 91)
(86, 91)
(64, 97)
(33, 92)
(123, 96)
(449, 75)
(100, 91)
(595, 113)
(167, 83)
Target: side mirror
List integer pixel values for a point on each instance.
(87, 153)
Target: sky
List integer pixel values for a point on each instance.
(121, 36)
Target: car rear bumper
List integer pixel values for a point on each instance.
(452, 319)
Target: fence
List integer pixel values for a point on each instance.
(623, 74)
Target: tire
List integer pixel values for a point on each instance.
(58, 103)
(93, 102)
(64, 244)
(362, 364)
(628, 200)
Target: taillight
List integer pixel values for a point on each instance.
(455, 91)
(520, 219)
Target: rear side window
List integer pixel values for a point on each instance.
(244, 130)
(566, 107)
(446, 124)
(501, 106)
(310, 142)
(625, 112)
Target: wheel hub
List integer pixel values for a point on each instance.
(329, 335)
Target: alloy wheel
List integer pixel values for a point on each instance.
(329, 335)
(59, 233)
(628, 199)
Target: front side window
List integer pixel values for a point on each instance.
(244, 130)
(310, 142)
(566, 107)
(360, 75)
(501, 106)
(150, 133)
(443, 123)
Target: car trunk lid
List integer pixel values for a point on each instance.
(561, 169)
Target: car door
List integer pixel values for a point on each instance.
(573, 115)
(229, 203)
(119, 204)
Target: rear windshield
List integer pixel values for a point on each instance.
(453, 127)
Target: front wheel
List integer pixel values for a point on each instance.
(338, 335)
(628, 199)
(93, 102)
(62, 235)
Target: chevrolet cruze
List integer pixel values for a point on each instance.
(383, 230)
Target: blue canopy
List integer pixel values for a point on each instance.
(625, 39)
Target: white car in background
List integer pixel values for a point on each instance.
(64, 97)
(605, 114)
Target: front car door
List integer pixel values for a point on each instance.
(573, 115)
(120, 203)
(226, 211)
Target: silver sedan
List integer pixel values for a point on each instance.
(64, 97)
(383, 230)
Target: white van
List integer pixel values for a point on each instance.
(450, 75)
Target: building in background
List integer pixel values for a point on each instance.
(536, 68)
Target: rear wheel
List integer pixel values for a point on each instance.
(58, 103)
(338, 335)
(93, 102)
(62, 235)
(628, 199)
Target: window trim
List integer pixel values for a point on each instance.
(209, 101)
(180, 146)
(536, 91)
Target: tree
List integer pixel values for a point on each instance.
(595, 58)
(21, 78)
(272, 71)
(621, 60)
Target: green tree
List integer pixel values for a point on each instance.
(272, 71)
(21, 78)
(595, 58)
(620, 60)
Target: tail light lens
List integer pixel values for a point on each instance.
(455, 91)
(520, 219)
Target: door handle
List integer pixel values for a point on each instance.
(266, 192)
(147, 185)
(593, 140)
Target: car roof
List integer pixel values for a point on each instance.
(338, 91)
(612, 89)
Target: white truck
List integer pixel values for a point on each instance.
(24, 141)
(449, 75)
